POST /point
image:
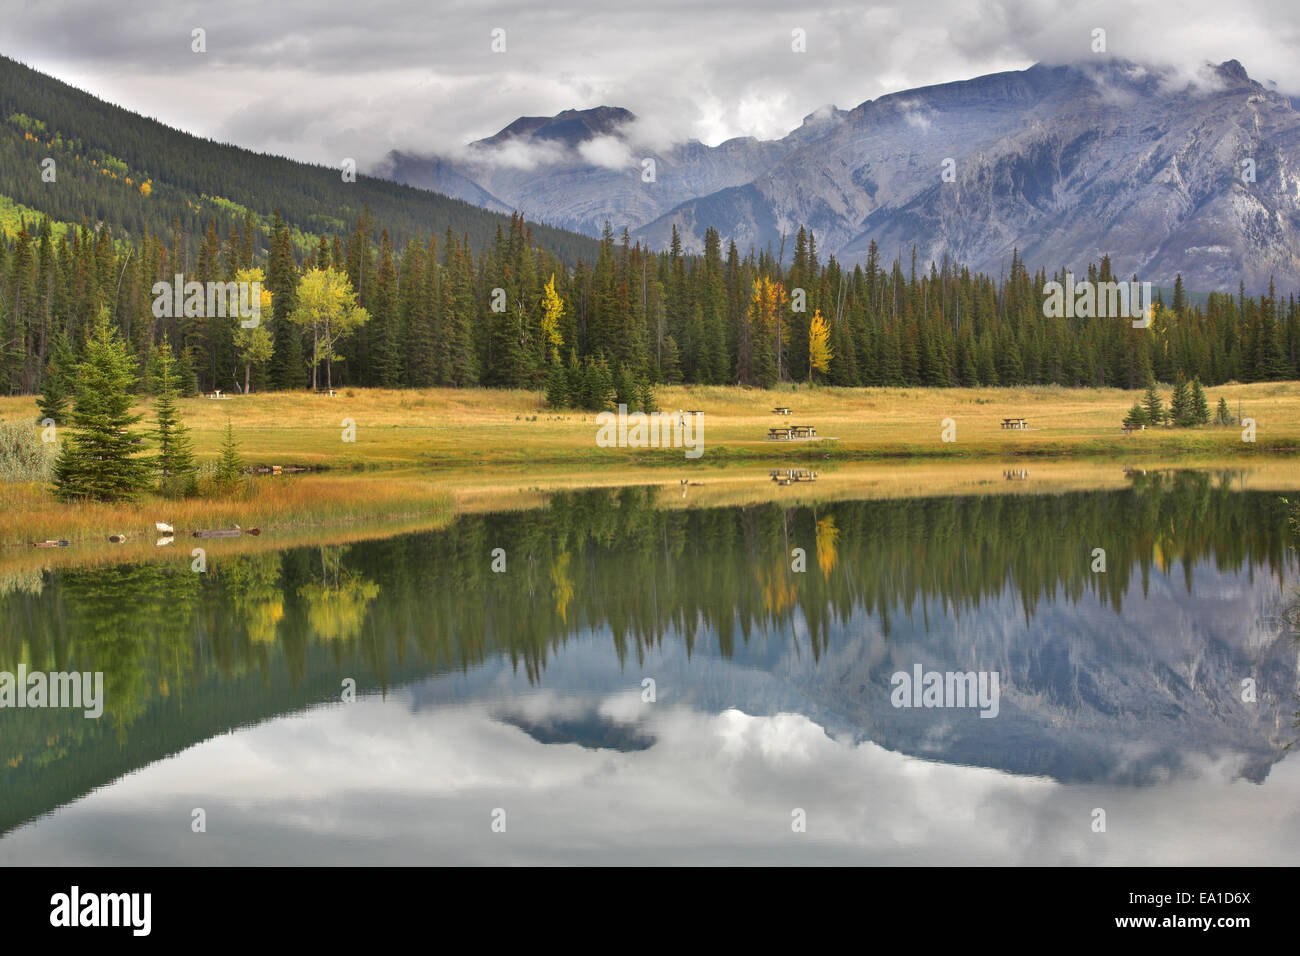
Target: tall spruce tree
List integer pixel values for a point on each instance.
(287, 367)
(1200, 407)
(58, 384)
(1181, 412)
(175, 458)
(1151, 402)
(99, 460)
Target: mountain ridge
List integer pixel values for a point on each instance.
(196, 180)
(1062, 163)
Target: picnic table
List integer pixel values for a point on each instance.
(781, 410)
(788, 475)
(790, 432)
(1134, 427)
(1015, 423)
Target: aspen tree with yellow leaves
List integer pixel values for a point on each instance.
(819, 345)
(552, 312)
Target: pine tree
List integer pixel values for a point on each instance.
(557, 386)
(1200, 407)
(189, 379)
(600, 386)
(670, 371)
(1222, 416)
(646, 396)
(1137, 415)
(1181, 412)
(1153, 405)
(624, 388)
(383, 329)
(98, 460)
(230, 464)
(287, 367)
(175, 459)
(58, 383)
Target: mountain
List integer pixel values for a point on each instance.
(1064, 163)
(104, 155)
(583, 168)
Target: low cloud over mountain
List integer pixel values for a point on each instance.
(1167, 171)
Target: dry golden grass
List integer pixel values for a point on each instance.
(302, 502)
(476, 426)
(504, 449)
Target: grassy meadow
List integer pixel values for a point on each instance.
(417, 456)
(477, 427)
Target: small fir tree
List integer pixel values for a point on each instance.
(230, 464)
(1152, 404)
(175, 459)
(1200, 407)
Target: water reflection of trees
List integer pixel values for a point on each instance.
(613, 562)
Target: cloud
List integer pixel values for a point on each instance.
(608, 152)
(514, 154)
(712, 787)
(362, 79)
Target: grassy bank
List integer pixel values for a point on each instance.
(302, 503)
(449, 427)
(418, 455)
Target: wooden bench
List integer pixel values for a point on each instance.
(326, 391)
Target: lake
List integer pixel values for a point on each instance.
(612, 679)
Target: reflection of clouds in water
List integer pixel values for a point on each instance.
(376, 782)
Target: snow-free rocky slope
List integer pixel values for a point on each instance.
(1064, 163)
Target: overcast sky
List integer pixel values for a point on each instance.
(324, 79)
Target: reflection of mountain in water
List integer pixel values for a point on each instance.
(1117, 676)
(587, 728)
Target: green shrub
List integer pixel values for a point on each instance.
(23, 456)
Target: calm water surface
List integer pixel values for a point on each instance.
(520, 697)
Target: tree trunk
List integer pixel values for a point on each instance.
(329, 359)
(315, 355)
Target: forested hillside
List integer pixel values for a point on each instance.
(435, 292)
(131, 173)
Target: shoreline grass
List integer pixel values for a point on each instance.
(422, 454)
(294, 503)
